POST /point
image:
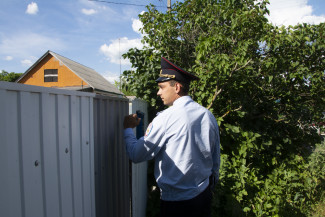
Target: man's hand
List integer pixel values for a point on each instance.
(131, 121)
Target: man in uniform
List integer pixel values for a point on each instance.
(184, 140)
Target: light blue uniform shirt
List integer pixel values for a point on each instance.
(184, 140)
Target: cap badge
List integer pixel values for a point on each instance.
(166, 75)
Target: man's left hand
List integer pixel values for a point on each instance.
(131, 121)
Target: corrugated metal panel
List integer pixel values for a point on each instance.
(47, 148)
(139, 170)
(111, 161)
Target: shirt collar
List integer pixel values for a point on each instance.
(182, 100)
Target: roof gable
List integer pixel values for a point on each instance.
(93, 78)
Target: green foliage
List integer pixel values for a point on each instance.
(264, 84)
(319, 208)
(288, 189)
(10, 77)
(146, 62)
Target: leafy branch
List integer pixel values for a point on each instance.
(217, 92)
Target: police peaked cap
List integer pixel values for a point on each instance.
(169, 71)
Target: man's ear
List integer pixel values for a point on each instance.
(178, 88)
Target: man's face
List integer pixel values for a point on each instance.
(167, 93)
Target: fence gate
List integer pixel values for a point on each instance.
(111, 161)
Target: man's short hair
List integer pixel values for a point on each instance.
(185, 86)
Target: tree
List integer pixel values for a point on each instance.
(10, 77)
(264, 84)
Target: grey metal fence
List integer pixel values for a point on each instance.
(62, 154)
(139, 170)
(46, 156)
(111, 162)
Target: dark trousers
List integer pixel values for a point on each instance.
(200, 206)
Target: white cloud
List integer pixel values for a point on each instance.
(88, 11)
(27, 63)
(22, 45)
(117, 47)
(136, 25)
(32, 8)
(111, 77)
(292, 12)
(8, 58)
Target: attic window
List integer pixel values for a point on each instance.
(50, 75)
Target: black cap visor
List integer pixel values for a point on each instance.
(163, 79)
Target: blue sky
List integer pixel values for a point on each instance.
(95, 34)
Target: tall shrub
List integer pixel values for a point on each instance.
(263, 83)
